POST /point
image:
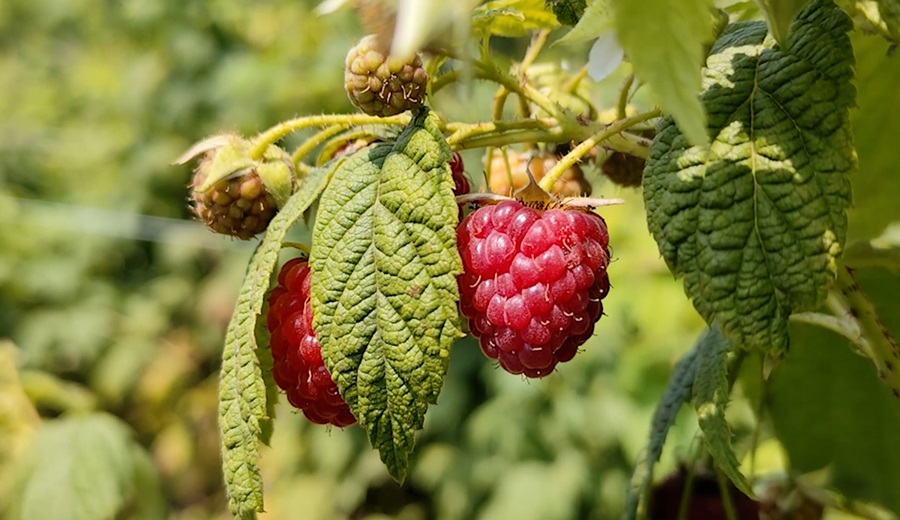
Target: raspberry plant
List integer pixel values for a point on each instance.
(745, 168)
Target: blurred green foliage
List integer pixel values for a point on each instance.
(117, 303)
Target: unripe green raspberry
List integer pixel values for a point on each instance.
(381, 85)
(234, 193)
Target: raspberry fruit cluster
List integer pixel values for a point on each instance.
(380, 84)
(509, 174)
(461, 184)
(299, 369)
(240, 206)
(532, 282)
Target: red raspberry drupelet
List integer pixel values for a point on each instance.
(298, 368)
(460, 181)
(532, 282)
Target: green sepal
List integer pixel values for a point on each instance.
(277, 174)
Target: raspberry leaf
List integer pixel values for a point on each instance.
(710, 395)
(512, 18)
(384, 266)
(243, 402)
(567, 12)
(677, 393)
(755, 221)
(84, 467)
(780, 14)
(672, 71)
(595, 21)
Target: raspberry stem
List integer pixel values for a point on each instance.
(319, 138)
(262, 141)
(586, 145)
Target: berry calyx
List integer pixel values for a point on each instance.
(298, 368)
(509, 178)
(382, 85)
(532, 282)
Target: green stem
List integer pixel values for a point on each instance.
(725, 490)
(313, 142)
(462, 132)
(262, 142)
(443, 80)
(624, 91)
(521, 88)
(329, 149)
(885, 352)
(586, 145)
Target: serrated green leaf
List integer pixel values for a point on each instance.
(512, 18)
(384, 266)
(595, 21)
(755, 221)
(678, 392)
(882, 16)
(77, 468)
(780, 15)
(242, 389)
(710, 394)
(673, 69)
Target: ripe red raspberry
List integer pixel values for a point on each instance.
(298, 368)
(532, 282)
(460, 181)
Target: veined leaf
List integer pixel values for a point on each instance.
(567, 12)
(242, 389)
(512, 18)
(384, 266)
(711, 391)
(780, 14)
(83, 468)
(672, 69)
(678, 392)
(756, 220)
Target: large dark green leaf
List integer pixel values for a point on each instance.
(384, 265)
(755, 221)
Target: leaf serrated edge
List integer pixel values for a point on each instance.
(678, 392)
(710, 395)
(241, 410)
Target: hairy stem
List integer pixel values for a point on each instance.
(262, 141)
(624, 95)
(586, 145)
(312, 142)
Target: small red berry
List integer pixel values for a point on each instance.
(532, 282)
(299, 369)
(460, 181)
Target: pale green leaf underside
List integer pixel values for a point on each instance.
(384, 266)
(664, 40)
(678, 392)
(755, 221)
(512, 18)
(710, 395)
(77, 468)
(242, 390)
(595, 21)
(780, 14)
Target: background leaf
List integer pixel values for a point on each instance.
(755, 221)
(678, 392)
(595, 21)
(384, 264)
(711, 392)
(830, 411)
(672, 70)
(242, 389)
(878, 75)
(81, 468)
(512, 18)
